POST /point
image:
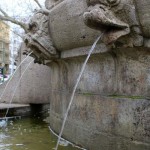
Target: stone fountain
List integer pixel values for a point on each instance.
(111, 109)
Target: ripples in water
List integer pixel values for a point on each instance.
(29, 134)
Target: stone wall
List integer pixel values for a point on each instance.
(111, 106)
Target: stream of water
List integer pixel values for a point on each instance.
(75, 87)
(18, 83)
(29, 134)
(13, 75)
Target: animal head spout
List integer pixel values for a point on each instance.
(117, 17)
(38, 39)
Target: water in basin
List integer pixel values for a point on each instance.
(29, 134)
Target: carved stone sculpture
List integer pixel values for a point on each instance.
(51, 3)
(38, 39)
(143, 13)
(125, 23)
(118, 18)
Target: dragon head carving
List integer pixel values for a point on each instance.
(38, 39)
(118, 18)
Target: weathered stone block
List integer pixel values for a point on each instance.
(67, 27)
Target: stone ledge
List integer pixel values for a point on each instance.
(100, 48)
(5, 106)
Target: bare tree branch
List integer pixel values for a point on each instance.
(17, 34)
(3, 12)
(21, 24)
(4, 16)
(37, 2)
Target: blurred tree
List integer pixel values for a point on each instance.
(20, 14)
